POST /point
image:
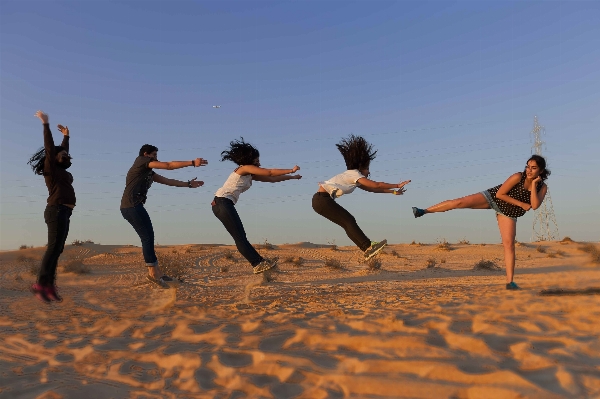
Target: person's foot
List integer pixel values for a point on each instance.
(52, 293)
(163, 281)
(418, 212)
(265, 265)
(512, 286)
(374, 249)
(40, 292)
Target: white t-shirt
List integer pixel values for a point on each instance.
(341, 184)
(234, 186)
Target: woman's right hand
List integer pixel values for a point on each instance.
(295, 169)
(525, 206)
(43, 117)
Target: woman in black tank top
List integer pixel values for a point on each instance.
(512, 199)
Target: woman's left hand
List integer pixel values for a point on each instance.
(64, 130)
(195, 184)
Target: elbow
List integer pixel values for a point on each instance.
(170, 166)
(535, 207)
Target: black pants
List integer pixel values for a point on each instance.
(224, 210)
(57, 218)
(325, 206)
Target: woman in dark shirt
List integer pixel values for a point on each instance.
(139, 179)
(521, 192)
(52, 162)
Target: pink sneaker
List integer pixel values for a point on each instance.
(52, 293)
(40, 292)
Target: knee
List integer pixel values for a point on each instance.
(508, 243)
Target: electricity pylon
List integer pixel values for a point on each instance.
(544, 222)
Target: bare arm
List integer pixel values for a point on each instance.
(537, 198)
(177, 183)
(379, 187)
(505, 188)
(275, 179)
(257, 171)
(177, 164)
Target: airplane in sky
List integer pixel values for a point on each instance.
(216, 106)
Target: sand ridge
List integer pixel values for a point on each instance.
(402, 331)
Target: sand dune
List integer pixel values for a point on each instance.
(404, 330)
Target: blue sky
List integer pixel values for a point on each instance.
(446, 91)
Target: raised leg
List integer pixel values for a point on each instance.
(473, 201)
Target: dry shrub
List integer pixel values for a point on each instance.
(33, 266)
(443, 260)
(593, 251)
(443, 245)
(23, 247)
(413, 242)
(229, 256)
(566, 240)
(541, 249)
(431, 262)
(288, 259)
(333, 263)
(77, 243)
(486, 265)
(188, 250)
(75, 266)
(299, 261)
(464, 241)
(374, 264)
(267, 245)
(561, 253)
(551, 255)
(175, 266)
(224, 269)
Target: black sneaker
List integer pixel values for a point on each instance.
(418, 212)
(265, 265)
(374, 249)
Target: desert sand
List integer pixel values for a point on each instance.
(422, 325)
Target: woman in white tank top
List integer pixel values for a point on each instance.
(223, 206)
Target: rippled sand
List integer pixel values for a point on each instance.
(401, 331)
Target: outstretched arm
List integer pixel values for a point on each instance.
(48, 140)
(275, 179)
(258, 171)
(177, 183)
(380, 187)
(177, 164)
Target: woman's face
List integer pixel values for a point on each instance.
(532, 170)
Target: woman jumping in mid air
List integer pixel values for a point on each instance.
(223, 206)
(358, 154)
(510, 200)
(52, 162)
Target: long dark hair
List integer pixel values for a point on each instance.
(38, 159)
(541, 163)
(357, 152)
(240, 152)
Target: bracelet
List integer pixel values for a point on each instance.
(193, 163)
(395, 192)
(189, 183)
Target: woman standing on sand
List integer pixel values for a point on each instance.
(139, 179)
(223, 206)
(52, 162)
(510, 200)
(358, 154)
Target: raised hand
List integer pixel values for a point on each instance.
(63, 129)
(195, 184)
(200, 162)
(295, 169)
(43, 116)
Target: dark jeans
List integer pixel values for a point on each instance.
(224, 210)
(325, 206)
(57, 218)
(140, 220)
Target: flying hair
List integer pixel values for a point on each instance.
(357, 152)
(38, 159)
(240, 152)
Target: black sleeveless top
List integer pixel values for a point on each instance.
(519, 193)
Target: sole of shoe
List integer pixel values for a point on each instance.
(377, 251)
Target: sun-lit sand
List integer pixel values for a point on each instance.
(404, 330)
